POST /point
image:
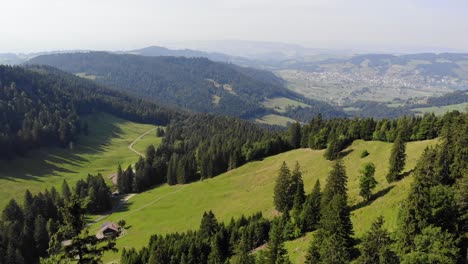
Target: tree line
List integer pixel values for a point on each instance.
(28, 229)
(42, 106)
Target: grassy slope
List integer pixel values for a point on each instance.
(272, 119)
(101, 151)
(441, 110)
(280, 104)
(387, 205)
(249, 189)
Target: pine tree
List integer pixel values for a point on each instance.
(376, 246)
(336, 182)
(276, 253)
(84, 247)
(333, 148)
(297, 188)
(282, 197)
(295, 135)
(433, 245)
(209, 225)
(397, 159)
(241, 252)
(367, 181)
(41, 237)
(311, 211)
(66, 193)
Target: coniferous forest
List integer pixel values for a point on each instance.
(43, 107)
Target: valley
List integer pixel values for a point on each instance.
(99, 152)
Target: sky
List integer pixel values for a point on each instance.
(46, 25)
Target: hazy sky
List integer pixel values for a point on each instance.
(38, 25)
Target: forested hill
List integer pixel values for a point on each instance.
(193, 83)
(41, 106)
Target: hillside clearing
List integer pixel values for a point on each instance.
(249, 189)
(275, 120)
(100, 152)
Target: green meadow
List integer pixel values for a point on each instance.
(249, 189)
(100, 152)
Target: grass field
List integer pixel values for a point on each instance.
(275, 120)
(100, 152)
(249, 189)
(441, 110)
(280, 104)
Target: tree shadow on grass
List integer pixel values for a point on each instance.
(52, 161)
(345, 153)
(374, 197)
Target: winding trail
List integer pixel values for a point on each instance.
(113, 177)
(136, 140)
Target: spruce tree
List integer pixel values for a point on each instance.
(433, 245)
(66, 193)
(333, 148)
(295, 135)
(311, 211)
(367, 181)
(83, 247)
(337, 182)
(376, 246)
(297, 188)
(397, 159)
(282, 197)
(276, 253)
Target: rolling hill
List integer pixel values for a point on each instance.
(192, 83)
(249, 189)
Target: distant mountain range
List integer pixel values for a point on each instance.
(193, 83)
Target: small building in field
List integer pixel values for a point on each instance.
(108, 229)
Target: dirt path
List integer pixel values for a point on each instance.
(117, 207)
(136, 140)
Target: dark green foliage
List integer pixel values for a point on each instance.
(66, 193)
(97, 193)
(234, 241)
(333, 241)
(397, 159)
(297, 188)
(364, 153)
(83, 247)
(367, 181)
(275, 252)
(337, 182)
(283, 193)
(376, 245)
(327, 249)
(160, 132)
(311, 209)
(42, 106)
(125, 181)
(333, 148)
(185, 82)
(433, 245)
(294, 135)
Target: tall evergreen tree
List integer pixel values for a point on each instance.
(276, 253)
(333, 148)
(311, 211)
(297, 188)
(294, 134)
(83, 247)
(367, 181)
(376, 246)
(282, 197)
(337, 182)
(397, 159)
(66, 193)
